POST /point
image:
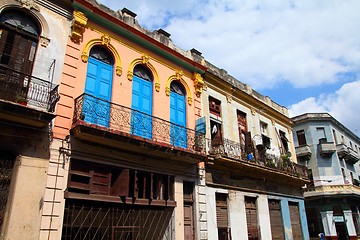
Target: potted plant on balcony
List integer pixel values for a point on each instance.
(21, 98)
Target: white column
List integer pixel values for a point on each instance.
(328, 223)
(349, 222)
(237, 216)
(211, 214)
(264, 216)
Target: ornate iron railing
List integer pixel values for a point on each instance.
(27, 90)
(232, 149)
(115, 117)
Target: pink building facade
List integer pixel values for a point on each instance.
(125, 154)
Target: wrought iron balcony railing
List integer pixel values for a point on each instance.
(114, 117)
(28, 90)
(228, 148)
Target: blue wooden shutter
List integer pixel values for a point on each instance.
(96, 107)
(141, 117)
(178, 120)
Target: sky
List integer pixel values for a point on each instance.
(304, 55)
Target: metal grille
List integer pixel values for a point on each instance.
(26, 89)
(120, 118)
(99, 220)
(232, 149)
(6, 166)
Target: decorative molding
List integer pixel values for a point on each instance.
(204, 88)
(130, 75)
(273, 122)
(29, 4)
(253, 111)
(78, 26)
(198, 84)
(44, 42)
(157, 86)
(289, 131)
(228, 98)
(105, 41)
(178, 77)
(144, 60)
(189, 101)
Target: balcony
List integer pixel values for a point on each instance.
(103, 122)
(332, 191)
(326, 149)
(25, 99)
(225, 150)
(347, 153)
(303, 152)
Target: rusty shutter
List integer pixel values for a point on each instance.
(221, 210)
(251, 218)
(295, 220)
(277, 228)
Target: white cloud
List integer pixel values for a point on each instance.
(342, 105)
(304, 42)
(264, 43)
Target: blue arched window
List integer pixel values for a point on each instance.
(178, 114)
(98, 87)
(141, 118)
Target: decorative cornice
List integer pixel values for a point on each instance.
(78, 26)
(105, 41)
(198, 84)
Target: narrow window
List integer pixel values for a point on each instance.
(284, 141)
(301, 137)
(242, 126)
(321, 135)
(251, 218)
(222, 216)
(264, 128)
(335, 138)
(215, 106)
(188, 190)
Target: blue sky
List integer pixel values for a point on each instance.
(304, 55)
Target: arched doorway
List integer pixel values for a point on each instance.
(178, 115)
(141, 116)
(96, 108)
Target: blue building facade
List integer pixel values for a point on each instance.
(331, 151)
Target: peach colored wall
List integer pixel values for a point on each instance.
(74, 77)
